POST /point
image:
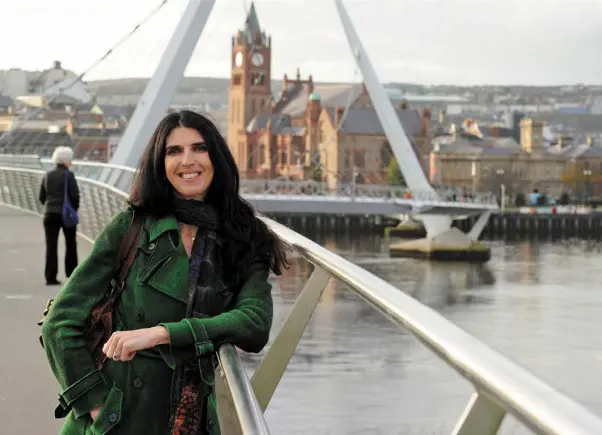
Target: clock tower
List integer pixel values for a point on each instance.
(250, 84)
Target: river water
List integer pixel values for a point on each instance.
(355, 372)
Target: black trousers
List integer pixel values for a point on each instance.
(52, 226)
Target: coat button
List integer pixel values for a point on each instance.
(151, 246)
(137, 383)
(112, 417)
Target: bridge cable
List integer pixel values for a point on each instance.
(61, 91)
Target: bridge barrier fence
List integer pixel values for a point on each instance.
(501, 386)
(121, 177)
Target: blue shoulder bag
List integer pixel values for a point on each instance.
(70, 216)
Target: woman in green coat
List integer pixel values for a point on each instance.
(199, 279)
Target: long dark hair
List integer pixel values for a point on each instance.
(250, 240)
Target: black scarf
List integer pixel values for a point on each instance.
(206, 284)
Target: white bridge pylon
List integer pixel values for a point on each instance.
(169, 72)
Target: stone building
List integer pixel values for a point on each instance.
(483, 164)
(301, 133)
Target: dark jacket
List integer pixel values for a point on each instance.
(136, 394)
(52, 190)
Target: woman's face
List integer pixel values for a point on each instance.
(187, 163)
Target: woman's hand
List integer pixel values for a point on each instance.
(94, 412)
(123, 345)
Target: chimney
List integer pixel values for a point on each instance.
(442, 114)
(284, 86)
(338, 115)
(590, 141)
(425, 122)
(269, 106)
(314, 107)
(564, 141)
(70, 127)
(298, 75)
(531, 135)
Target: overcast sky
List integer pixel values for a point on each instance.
(423, 41)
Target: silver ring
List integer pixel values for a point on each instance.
(116, 356)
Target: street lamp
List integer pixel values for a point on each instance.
(500, 173)
(587, 173)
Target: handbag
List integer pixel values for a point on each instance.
(99, 325)
(70, 216)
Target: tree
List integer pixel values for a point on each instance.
(315, 170)
(394, 175)
(520, 200)
(564, 199)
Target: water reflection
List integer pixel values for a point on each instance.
(356, 372)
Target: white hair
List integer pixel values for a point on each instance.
(62, 155)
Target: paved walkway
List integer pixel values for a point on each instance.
(28, 390)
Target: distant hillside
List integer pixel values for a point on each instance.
(192, 90)
(137, 85)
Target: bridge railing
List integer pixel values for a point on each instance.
(122, 177)
(501, 386)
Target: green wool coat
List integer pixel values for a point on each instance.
(136, 394)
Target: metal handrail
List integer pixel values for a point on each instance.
(502, 386)
(535, 403)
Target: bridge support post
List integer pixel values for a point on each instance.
(271, 369)
(163, 84)
(481, 417)
(441, 240)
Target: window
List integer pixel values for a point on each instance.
(252, 158)
(359, 158)
(347, 159)
(257, 79)
(320, 126)
(236, 79)
(283, 155)
(386, 153)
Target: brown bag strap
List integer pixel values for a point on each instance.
(127, 253)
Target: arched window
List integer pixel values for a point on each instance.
(386, 154)
(252, 156)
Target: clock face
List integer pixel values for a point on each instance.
(257, 59)
(238, 59)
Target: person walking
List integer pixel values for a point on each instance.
(57, 185)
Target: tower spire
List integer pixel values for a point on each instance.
(252, 28)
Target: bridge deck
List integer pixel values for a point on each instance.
(28, 390)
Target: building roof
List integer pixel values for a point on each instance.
(577, 151)
(495, 146)
(252, 29)
(466, 144)
(5, 101)
(95, 132)
(252, 24)
(33, 142)
(365, 121)
(260, 121)
(297, 94)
